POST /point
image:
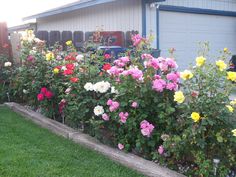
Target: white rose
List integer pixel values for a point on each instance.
(98, 110)
(7, 64)
(79, 58)
(63, 68)
(32, 52)
(102, 87)
(113, 90)
(25, 91)
(88, 86)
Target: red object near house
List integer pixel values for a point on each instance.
(5, 45)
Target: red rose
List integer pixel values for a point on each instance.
(107, 56)
(68, 72)
(106, 66)
(74, 79)
(58, 67)
(194, 94)
(70, 66)
(69, 57)
(40, 97)
(43, 90)
(48, 95)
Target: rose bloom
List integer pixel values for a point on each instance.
(186, 75)
(200, 61)
(74, 79)
(105, 117)
(7, 64)
(43, 90)
(195, 116)
(56, 70)
(161, 150)
(179, 97)
(106, 66)
(40, 97)
(70, 58)
(107, 56)
(68, 72)
(70, 66)
(134, 104)
(69, 42)
(98, 110)
(121, 146)
(48, 94)
(88, 86)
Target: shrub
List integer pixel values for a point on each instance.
(136, 103)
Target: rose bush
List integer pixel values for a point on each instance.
(206, 121)
(136, 103)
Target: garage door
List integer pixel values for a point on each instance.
(184, 31)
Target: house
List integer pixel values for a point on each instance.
(180, 24)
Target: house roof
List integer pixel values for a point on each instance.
(75, 6)
(68, 7)
(22, 27)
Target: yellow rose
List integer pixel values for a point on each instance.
(56, 70)
(226, 50)
(233, 102)
(69, 43)
(49, 56)
(234, 132)
(200, 61)
(221, 65)
(195, 116)
(231, 76)
(186, 75)
(179, 97)
(230, 108)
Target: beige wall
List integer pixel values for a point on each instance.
(122, 15)
(15, 41)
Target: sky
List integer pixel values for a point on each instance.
(12, 11)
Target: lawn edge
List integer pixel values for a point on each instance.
(148, 168)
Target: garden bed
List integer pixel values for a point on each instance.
(137, 103)
(129, 160)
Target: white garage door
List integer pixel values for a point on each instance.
(184, 31)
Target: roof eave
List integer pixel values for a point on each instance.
(67, 9)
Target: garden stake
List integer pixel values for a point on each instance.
(8, 97)
(216, 162)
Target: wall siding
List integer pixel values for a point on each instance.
(225, 5)
(122, 15)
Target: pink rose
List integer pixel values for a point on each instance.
(172, 86)
(146, 128)
(158, 85)
(171, 63)
(161, 150)
(121, 146)
(146, 56)
(134, 104)
(174, 77)
(105, 117)
(109, 102)
(123, 117)
(125, 59)
(114, 106)
(68, 90)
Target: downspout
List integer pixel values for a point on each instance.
(144, 20)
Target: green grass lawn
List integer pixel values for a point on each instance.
(27, 150)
